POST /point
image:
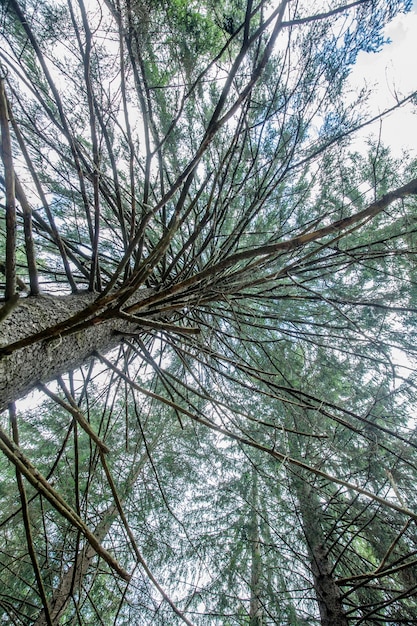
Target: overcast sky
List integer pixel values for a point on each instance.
(392, 73)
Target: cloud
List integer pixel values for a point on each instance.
(390, 75)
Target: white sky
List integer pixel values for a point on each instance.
(392, 73)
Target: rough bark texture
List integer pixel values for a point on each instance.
(44, 360)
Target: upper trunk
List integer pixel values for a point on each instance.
(45, 359)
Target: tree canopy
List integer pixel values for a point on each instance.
(212, 295)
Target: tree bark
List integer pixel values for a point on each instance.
(255, 611)
(46, 358)
(74, 575)
(327, 592)
(71, 580)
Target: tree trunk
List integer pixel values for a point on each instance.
(327, 592)
(255, 611)
(72, 579)
(45, 359)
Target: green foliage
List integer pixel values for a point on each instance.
(259, 412)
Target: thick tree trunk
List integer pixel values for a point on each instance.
(46, 359)
(327, 592)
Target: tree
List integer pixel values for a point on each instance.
(216, 295)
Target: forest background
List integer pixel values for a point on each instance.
(208, 279)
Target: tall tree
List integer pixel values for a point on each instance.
(217, 299)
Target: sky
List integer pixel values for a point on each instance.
(389, 73)
(392, 74)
